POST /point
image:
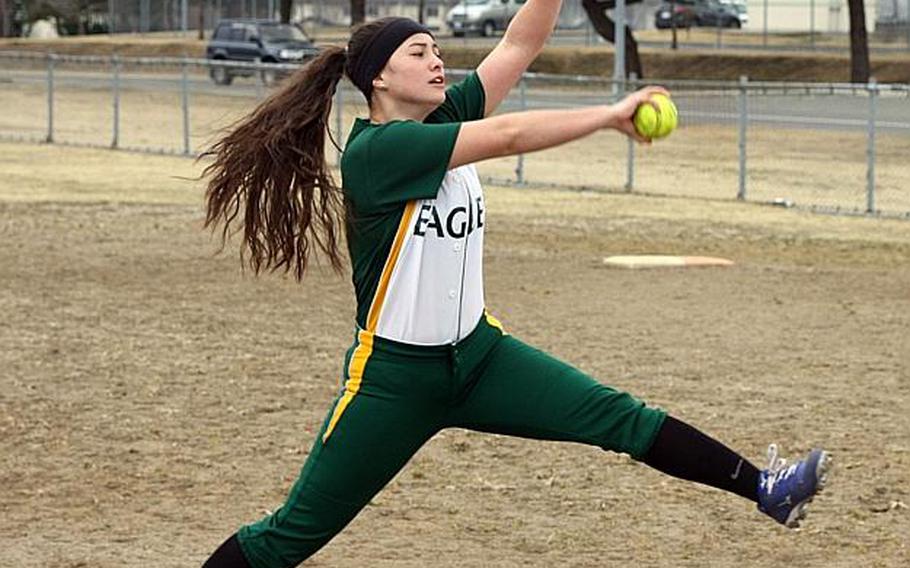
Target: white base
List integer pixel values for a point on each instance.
(664, 261)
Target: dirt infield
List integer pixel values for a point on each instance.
(152, 398)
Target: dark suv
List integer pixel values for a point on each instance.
(257, 40)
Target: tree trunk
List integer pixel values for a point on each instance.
(82, 14)
(285, 9)
(200, 21)
(421, 6)
(4, 19)
(606, 28)
(859, 43)
(674, 44)
(358, 11)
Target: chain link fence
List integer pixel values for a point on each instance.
(831, 147)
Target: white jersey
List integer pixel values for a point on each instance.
(435, 288)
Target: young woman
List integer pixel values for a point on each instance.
(426, 354)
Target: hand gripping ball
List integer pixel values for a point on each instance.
(656, 123)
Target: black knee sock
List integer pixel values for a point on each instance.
(228, 555)
(682, 451)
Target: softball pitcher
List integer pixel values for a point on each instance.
(426, 353)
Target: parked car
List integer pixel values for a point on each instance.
(739, 7)
(682, 12)
(689, 13)
(714, 13)
(256, 40)
(484, 16)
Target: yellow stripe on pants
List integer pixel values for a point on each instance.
(494, 322)
(355, 376)
(365, 337)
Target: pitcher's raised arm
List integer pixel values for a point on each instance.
(522, 43)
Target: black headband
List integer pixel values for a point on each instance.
(379, 48)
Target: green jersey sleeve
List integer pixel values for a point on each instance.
(396, 162)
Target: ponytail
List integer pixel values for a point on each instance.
(272, 167)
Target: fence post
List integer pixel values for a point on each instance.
(51, 59)
(619, 49)
(115, 60)
(632, 84)
(185, 102)
(523, 102)
(870, 148)
(260, 71)
(812, 24)
(339, 111)
(743, 121)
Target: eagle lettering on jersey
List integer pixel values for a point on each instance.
(460, 221)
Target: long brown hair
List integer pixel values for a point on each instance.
(271, 168)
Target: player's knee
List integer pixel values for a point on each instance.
(628, 424)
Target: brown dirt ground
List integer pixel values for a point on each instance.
(152, 398)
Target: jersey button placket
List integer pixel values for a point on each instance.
(461, 246)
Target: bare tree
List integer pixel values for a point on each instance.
(859, 43)
(358, 11)
(200, 20)
(285, 9)
(5, 17)
(606, 28)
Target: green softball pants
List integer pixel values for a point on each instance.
(396, 397)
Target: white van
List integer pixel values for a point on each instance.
(484, 16)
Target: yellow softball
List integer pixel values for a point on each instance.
(656, 123)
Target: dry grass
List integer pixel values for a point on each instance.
(44, 173)
(807, 167)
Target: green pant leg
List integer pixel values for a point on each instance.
(521, 391)
(383, 425)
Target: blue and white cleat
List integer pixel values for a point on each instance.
(785, 491)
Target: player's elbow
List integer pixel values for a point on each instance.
(509, 140)
(513, 134)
